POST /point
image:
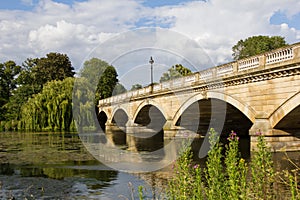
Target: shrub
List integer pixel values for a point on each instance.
(229, 177)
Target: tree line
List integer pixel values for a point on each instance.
(37, 95)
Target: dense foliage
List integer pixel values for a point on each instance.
(136, 87)
(105, 75)
(256, 45)
(51, 109)
(20, 83)
(8, 71)
(229, 177)
(38, 94)
(175, 71)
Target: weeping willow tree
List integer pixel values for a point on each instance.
(84, 104)
(51, 109)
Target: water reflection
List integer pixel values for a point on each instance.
(56, 166)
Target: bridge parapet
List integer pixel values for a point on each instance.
(248, 63)
(280, 55)
(271, 60)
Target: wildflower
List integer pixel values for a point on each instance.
(196, 166)
(233, 136)
(258, 133)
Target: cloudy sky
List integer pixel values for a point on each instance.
(33, 28)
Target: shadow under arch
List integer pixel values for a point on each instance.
(246, 110)
(148, 120)
(148, 102)
(210, 107)
(287, 116)
(120, 117)
(102, 119)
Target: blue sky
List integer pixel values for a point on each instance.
(279, 17)
(29, 4)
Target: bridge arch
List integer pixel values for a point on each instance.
(120, 117)
(284, 109)
(118, 108)
(148, 102)
(246, 110)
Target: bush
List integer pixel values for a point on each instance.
(229, 177)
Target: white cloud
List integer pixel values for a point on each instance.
(217, 25)
(76, 29)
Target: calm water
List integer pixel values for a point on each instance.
(57, 166)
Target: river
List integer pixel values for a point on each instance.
(57, 166)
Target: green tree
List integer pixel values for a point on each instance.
(54, 66)
(51, 109)
(97, 80)
(119, 89)
(175, 72)
(136, 87)
(93, 69)
(32, 76)
(107, 83)
(8, 72)
(256, 45)
(100, 73)
(84, 104)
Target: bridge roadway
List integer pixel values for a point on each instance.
(256, 94)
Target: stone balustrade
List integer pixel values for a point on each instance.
(248, 63)
(275, 57)
(278, 56)
(225, 69)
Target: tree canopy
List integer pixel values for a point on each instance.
(100, 73)
(119, 89)
(51, 109)
(39, 95)
(136, 87)
(55, 66)
(175, 71)
(93, 69)
(8, 72)
(107, 83)
(256, 45)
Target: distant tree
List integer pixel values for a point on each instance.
(100, 73)
(38, 71)
(119, 89)
(93, 69)
(19, 97)
(175, 72)
(136, 87)
(26, 76)
(54, 66)
(256, 45)
(8, 72)
(107, 83)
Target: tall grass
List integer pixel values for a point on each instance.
(228, 176)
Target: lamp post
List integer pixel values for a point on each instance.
(151, 61)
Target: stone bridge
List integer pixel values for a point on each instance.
(257, 94)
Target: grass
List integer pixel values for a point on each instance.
(228, 177)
